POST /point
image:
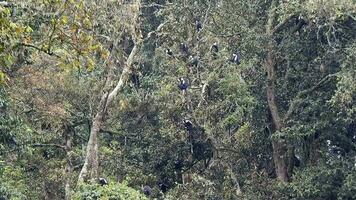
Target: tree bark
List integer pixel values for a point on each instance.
(69, 168)
(89, 171)
(282, 154)
(91, 164)
(280, 149)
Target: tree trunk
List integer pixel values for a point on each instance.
(91, 164)
(282, 155)
(89, 170)
(280, 149)
(69, 168)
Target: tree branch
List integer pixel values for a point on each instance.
(40, 49)
(128, 68)
(298, 26)
(304, 92)
(159, 28)
(153, 5)
(48, 145)
(109, 132)
(91, 163)
(283, 23)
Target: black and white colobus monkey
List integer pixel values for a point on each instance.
(300, 22)
(214, 49)
(182, 85)
(188, 125)
(163, 185)
(184, 49)
(135, 79)
(5, 4)
(193, 61)
(102, 181)
(147, 190)
(169, 52)
(296, 161)
(236, 57)
(198, 25)
(178, 164)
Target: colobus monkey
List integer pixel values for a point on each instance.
(296, 161)
(188, 125)
(214, 48)
(203, 151)
(193, 61)
(163, 187)
(300, 22)
(135, 80)
(169, 52)
(184, 48)
(183, 85)
(178, 165)
(103, 181)
(5, 4)
(12, 141)
(111, 47)
(198, 25)
(236, 57)
(147, 190)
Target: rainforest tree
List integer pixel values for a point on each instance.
(186, 99)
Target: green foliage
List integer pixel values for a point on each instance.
(324, 182)
(12, 33)
(12, 184)
(199, 188)
(260, 186)
(345, 95)
(10, 125)
(117, 191)
(348, 190)
(55, 79)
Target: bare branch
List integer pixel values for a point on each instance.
(206, 16)
(352, 17)
(159, 28)
(153, 5)
(110, 132)
(40, 49)
(48, 145)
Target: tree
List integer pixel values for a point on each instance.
(90, 89)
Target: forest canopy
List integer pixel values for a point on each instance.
(183, 99)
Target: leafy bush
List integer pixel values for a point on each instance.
(348, 190)
(113, 191)
(199, 188)
(12, 184)
(324, 182)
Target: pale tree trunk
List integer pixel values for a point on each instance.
(91, 164)
(69, 168)
(89, 171)
(282, 154)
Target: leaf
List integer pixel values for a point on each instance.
(64, 19)
(2, 78)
